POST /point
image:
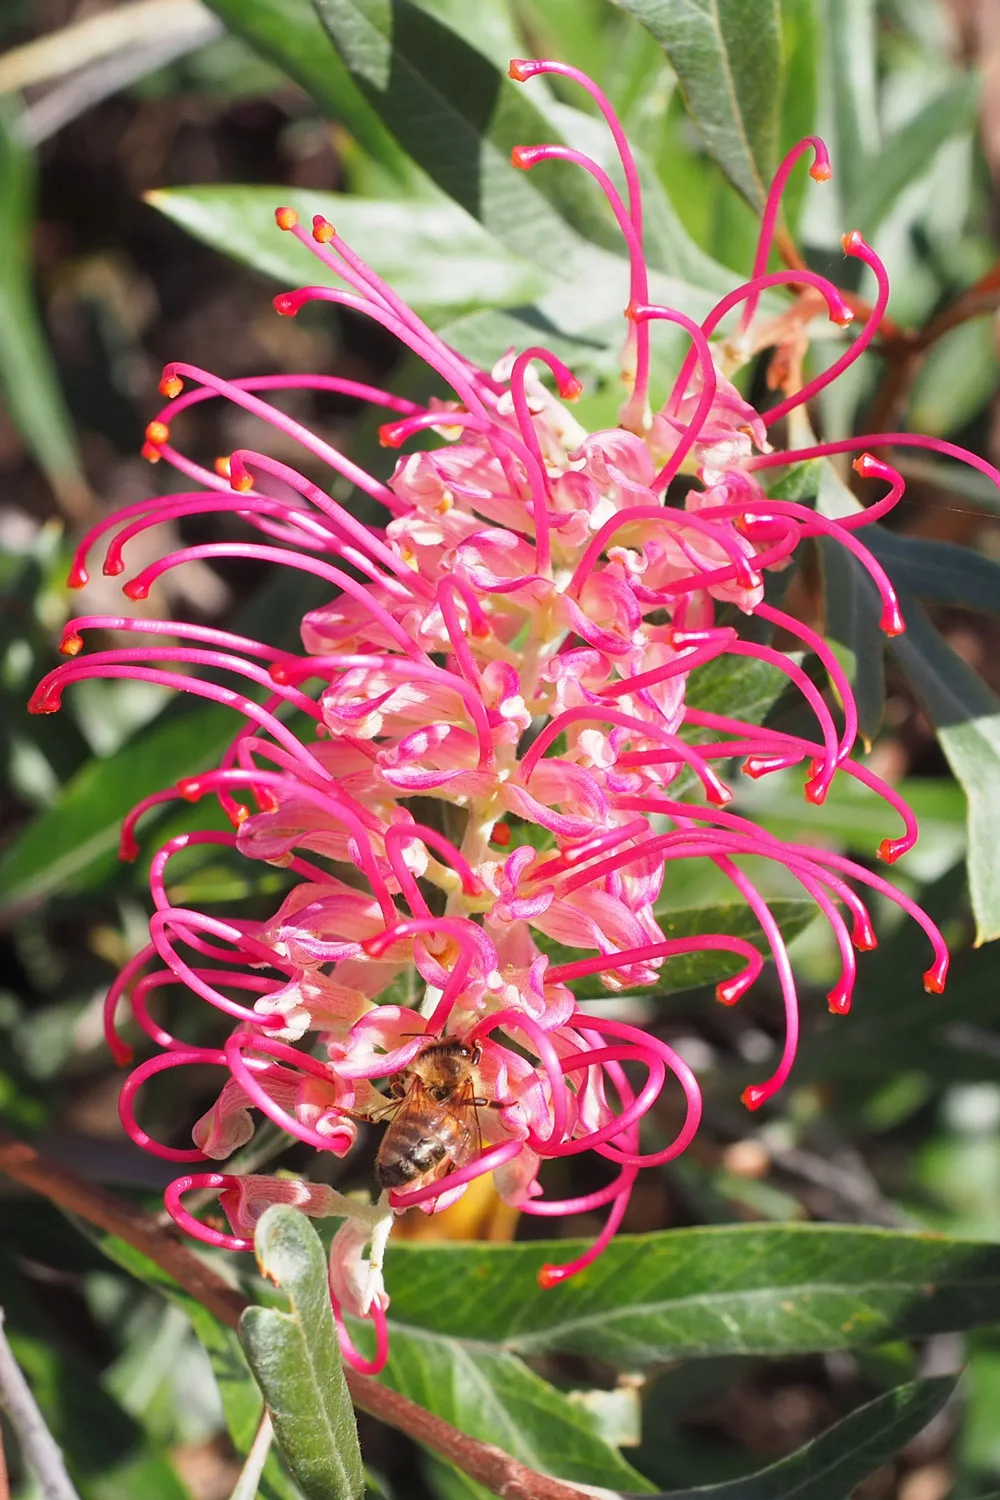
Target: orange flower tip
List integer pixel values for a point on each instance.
(389, 435)
(501, 835)
(171, 386)
(550, 1276)
(278, 672)
(77, 577)
(815, 791)
(718, 794)
(867, 465)
(112, 566)
(374, 946)
(935, 976)
(755, 1094)
(728, 991)
(120, 1051)
(323, 230)
(286, 218)
(843, 317)
(520, 70)
(821, 171)
(864, 939)
(157, 433)
(839, 1001)
(852, 242)
(890, 849)
(242, 482)
(190, 788)
(136, 589)
(43, 701)
(71, 644)
(892, 622)
(222, 467)
(150, 453)
(238, 814)
(522, 157)
(571, 389)
(286, 304)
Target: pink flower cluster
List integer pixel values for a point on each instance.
(515, 641)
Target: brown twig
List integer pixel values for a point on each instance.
(483, 1462)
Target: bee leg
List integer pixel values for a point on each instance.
(492, 1103)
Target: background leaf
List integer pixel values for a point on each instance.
(459, 119)
(411, 243)
(493, 1395)
(694, 1292)
(829, 1467)
(727, 56)
(27, 372)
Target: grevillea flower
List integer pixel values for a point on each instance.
(515, 642)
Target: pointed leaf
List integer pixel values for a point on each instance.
(74, 841)
(296, 1359)
(433, 254)
(830, 1466)
(459, 119)
(493, 1395)
(28, 379)
(908, 152)
(727, 56)
(966, 715)
(746, 1289)
(291, 35)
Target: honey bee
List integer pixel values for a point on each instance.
(433, 1125)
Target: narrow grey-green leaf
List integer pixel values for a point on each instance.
(289, 33)
(73, 841)
(966, 715)
(239, 1393)
(852, 610)
(831, 1466)
(937, 572)
(28, 377)
(745, 1289)
(433, 254)
(909, 152)
(493, 1395)
(459, 119)
(727, 56)
(849, 81)
(296, 1359)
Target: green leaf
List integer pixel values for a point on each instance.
(849, 69)
(937, 572)
(238, 1391)
(433, 254)
(908, 153)
(459, 119)
(966, 715)
(830, 1466)
(956, 379)
(493, 1395)
(289, 33)
(852, 609)
(27, 373)
(747, 1289)
(296, 1359)
(727, 56)
(73, 841)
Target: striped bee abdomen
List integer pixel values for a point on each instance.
(406, 1153)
